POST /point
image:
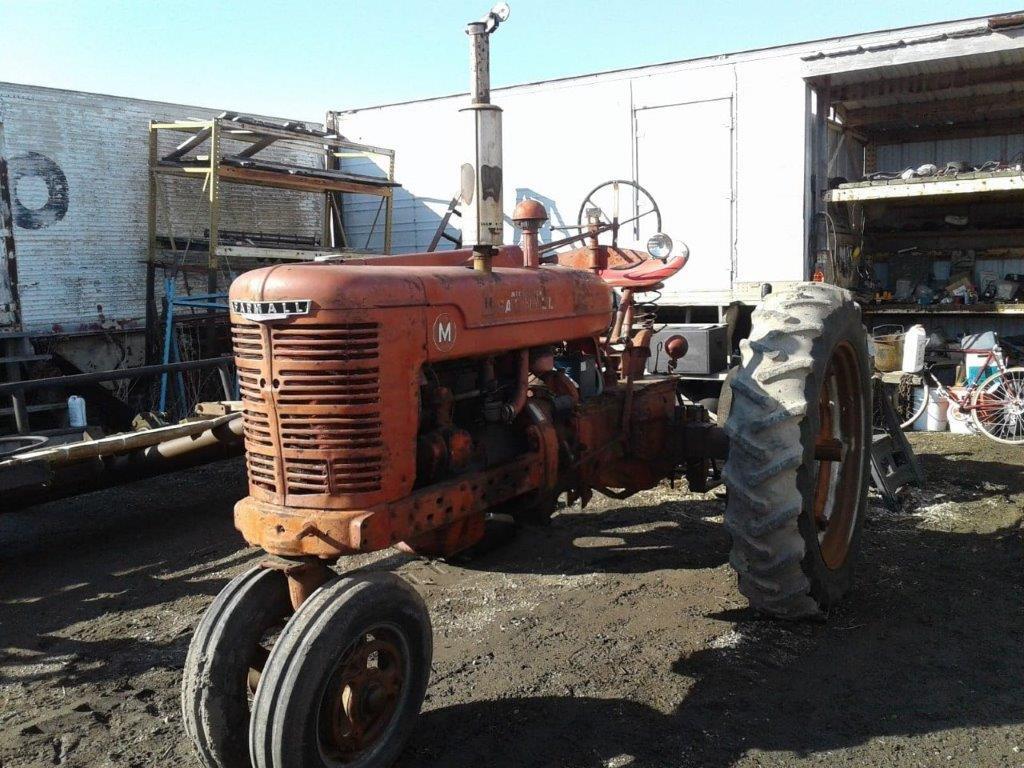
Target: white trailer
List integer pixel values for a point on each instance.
(737, 149)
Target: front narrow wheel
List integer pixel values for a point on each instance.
(225, 659)
(345, 682)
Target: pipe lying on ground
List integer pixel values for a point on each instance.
(83, 467)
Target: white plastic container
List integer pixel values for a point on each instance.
(960, 423)
(915, 341)
(934, 417)
(76, 412)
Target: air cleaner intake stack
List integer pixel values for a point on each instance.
(481, 182)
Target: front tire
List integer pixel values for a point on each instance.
(346, 680)
(224, 662)
(799, 456)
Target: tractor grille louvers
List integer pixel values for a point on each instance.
(321, 415)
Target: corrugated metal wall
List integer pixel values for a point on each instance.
(976, 151)
(84, 195)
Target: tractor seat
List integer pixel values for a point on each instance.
(646, 274)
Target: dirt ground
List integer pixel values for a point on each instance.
(615, 637)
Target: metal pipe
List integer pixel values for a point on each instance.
(56, 382)
(481, 173)
(479, 62)
(58, 481)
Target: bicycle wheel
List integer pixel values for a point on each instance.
(997, 406)
(903, 405)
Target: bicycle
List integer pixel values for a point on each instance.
(994, 401)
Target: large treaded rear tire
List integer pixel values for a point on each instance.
(773, 425)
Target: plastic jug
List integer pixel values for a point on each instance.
(76, 412)
(915, 341)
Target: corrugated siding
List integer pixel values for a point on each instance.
(978, 150)
(86, 269)
(364, 214)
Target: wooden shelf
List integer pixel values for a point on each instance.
(943, 309)
(997, 183)
(290, 254)
(277, 179)
(948, 234)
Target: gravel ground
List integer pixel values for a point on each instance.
(614, 637)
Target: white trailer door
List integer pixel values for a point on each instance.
(684, 159)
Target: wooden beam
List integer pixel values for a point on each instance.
(927, 188)
(188, 145)
(256, 146)
(289, 254)
(967, 130)
(301, 183)
(932, 82)
(936, 113)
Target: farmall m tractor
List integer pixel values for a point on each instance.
(401, 401)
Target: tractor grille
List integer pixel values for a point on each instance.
(324, 398)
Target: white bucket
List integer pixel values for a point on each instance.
(933, 417)
(960, 422)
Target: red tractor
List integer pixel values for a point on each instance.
(402, 401)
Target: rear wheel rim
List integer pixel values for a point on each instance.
(999, 406)
(837, 484)
(363, 696)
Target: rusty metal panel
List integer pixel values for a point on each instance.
(79, 177)
(9, 309)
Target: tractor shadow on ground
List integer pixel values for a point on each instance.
(102, 556)
(928, 641)
(614, 539)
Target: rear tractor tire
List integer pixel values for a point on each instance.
(799, 427)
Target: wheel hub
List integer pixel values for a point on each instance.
(366, 691)
(836, 494)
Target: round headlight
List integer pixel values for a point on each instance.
(659, 246)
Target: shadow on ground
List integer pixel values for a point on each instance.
(108, 554)
(929, 641)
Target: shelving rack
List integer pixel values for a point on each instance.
(233, 149)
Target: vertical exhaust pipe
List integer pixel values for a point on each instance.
(481, 182)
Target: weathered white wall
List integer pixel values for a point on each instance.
(83, 270)
(565, 137)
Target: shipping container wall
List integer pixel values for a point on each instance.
(79, 172)
(720, 146)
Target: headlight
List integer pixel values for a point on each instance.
(659, 246)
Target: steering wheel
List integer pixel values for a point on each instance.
(607, 197)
